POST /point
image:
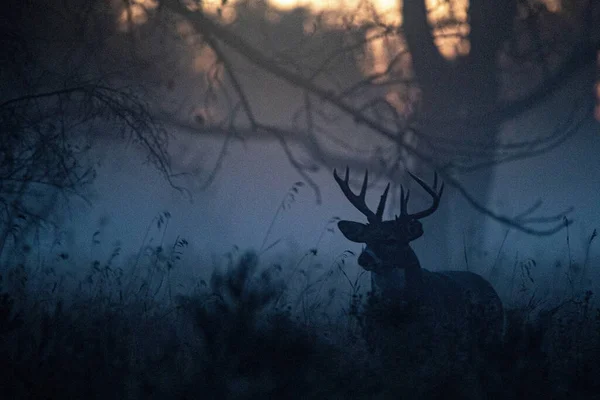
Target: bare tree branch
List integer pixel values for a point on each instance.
(205, 24)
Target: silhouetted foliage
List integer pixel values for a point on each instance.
(57, 102)
(230, 340)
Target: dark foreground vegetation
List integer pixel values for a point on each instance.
(244, 335)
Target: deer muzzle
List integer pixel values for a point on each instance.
(369, 260)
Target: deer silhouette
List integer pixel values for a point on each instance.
(457, 297)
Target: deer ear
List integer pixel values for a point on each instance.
(353, 231)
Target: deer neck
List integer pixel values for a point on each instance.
(400, 276)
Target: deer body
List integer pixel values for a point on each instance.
(462, 298)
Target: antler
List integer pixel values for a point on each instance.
(431, 190)
(358, 201)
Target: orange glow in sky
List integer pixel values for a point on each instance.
(451, 35)
(450, 40)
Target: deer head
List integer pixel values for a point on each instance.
(387, 242)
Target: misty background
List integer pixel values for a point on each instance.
(168, 213)
(242, 133)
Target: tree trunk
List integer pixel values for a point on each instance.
(465, 86)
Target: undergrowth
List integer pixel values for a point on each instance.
(247, 332)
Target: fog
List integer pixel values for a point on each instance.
(236, 210)
(172, 227)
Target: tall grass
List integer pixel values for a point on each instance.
(125, 330)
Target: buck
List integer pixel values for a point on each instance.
(460, 297)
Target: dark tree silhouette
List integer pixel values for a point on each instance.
(464, 101)
(56, 102)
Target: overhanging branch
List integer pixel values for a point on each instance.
(256, 57)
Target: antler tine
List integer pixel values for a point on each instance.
(357, 201)
(363, 189)
(404, 201)
(435, 195)
(381, 205)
